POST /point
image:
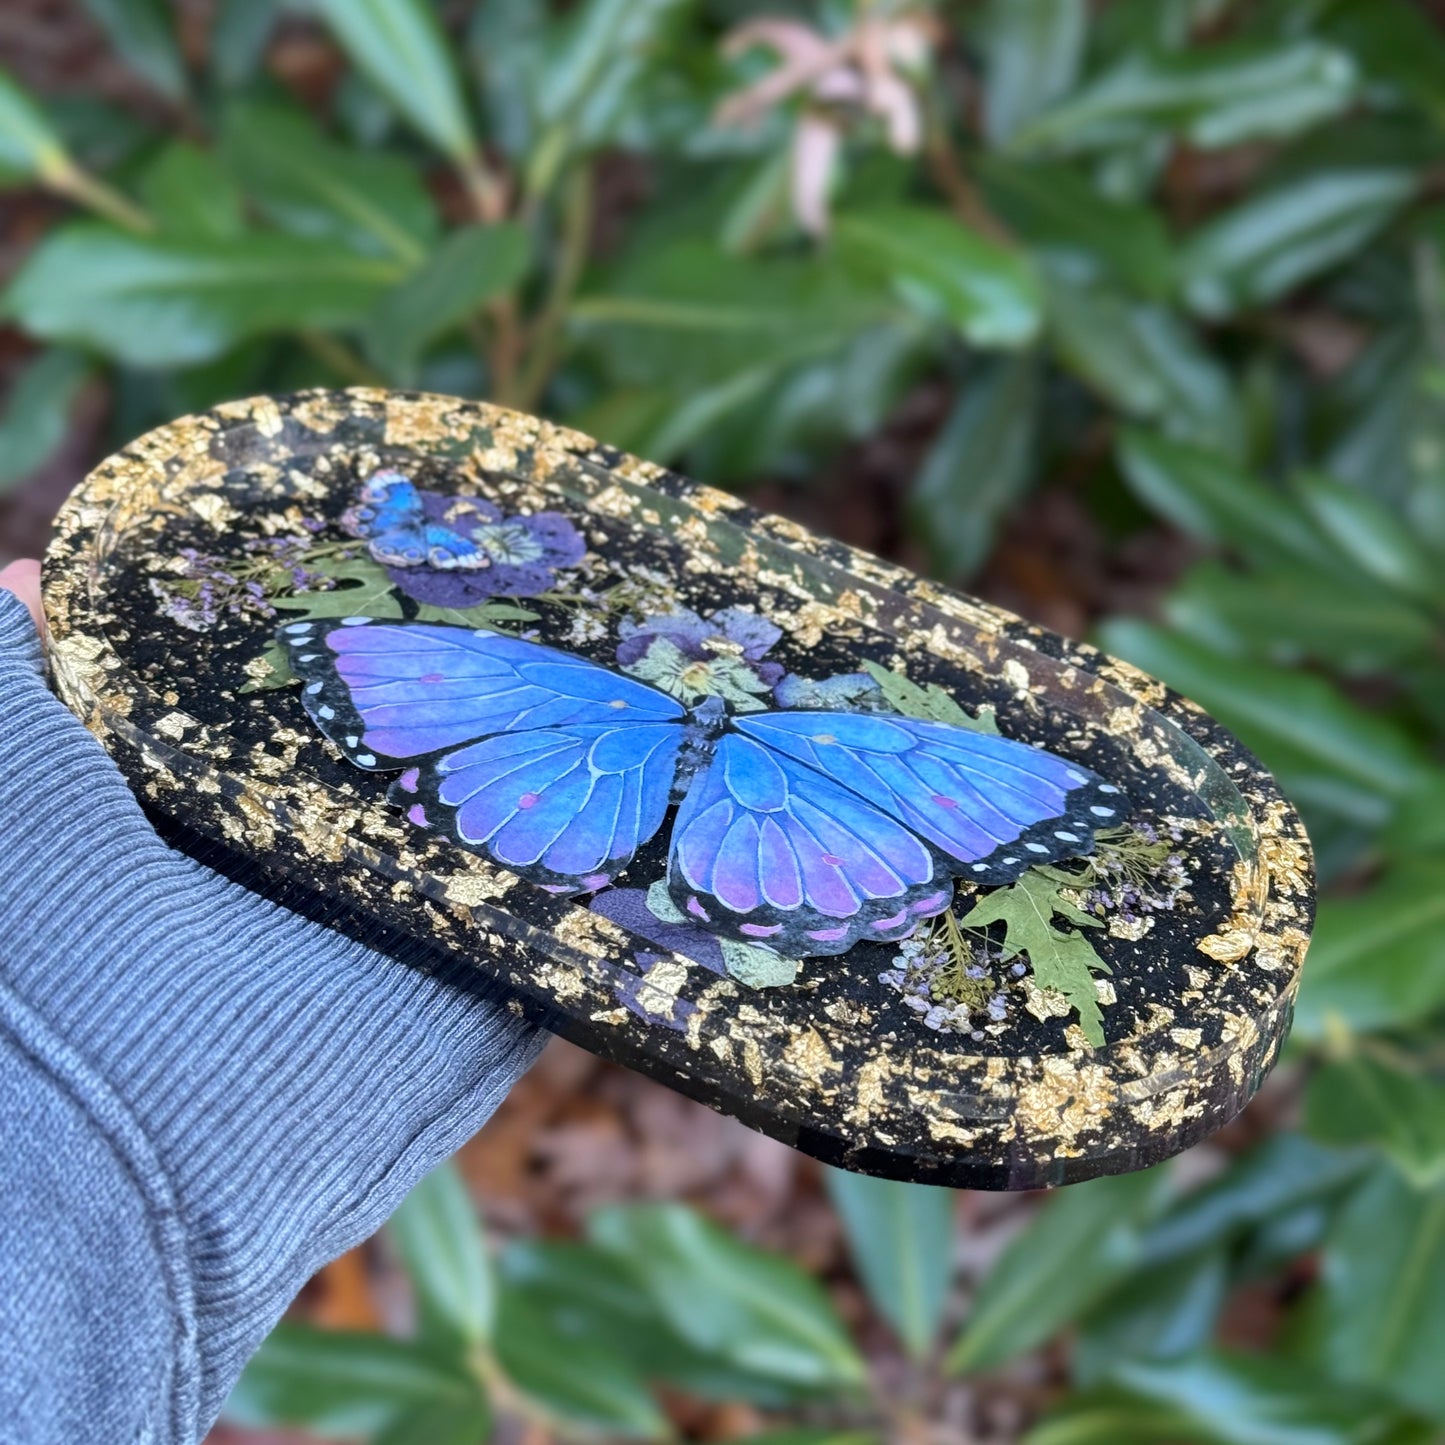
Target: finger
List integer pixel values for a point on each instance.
(23, 579)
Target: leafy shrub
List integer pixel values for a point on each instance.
(1182, 258)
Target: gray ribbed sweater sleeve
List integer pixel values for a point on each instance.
(203, 1097)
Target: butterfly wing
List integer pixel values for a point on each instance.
(544, 762)
(990, 805)
(566, 807)
(765, 848)
(391, 517)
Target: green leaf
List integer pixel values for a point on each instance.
(1209, 497)
(471, 266)
(275, 670)
(901, 1239)
(979, 464)
(1372, 536)
(239, 38)
(1063, 961)
(439, 1425)
(304, 182)
(37, 413)
(1218, 1399)
(343, 1383)
(490, 615)
(29, 144)
(945, 272)
(1286, 613)
(144, 35)
(191, 196)
(756, 966)
(1145, 362)
(1032, 50)
(371, 596)
(1329, 753)
(1212, 97)
(1377, 961)
(399, 47)
(571, 1377)
(1057, 209)
(1279, 238)
(1160, 1313)
(1380, 1314)
(927, 701)
(150, 302)
(1396, 44)
(1080, 1245)
(1393, 1103)
(1271, 1180)
(439, 1237)
(756, 1312)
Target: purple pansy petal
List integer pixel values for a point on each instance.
(627, 907)
(749, 630)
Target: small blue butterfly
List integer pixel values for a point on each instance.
(391, 519)
(806, 830)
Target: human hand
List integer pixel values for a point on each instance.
(203, 1096)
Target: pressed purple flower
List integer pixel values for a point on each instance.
(694, 657)
(524, 554)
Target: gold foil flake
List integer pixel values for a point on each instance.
(174, 724)
(1064, 1098)
(1228, 946)
(474, 889)
(1045, 1003)
(810, 1056)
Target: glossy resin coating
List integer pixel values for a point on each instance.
(198, 576)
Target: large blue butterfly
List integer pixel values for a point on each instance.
(391, 518)
(807, 830)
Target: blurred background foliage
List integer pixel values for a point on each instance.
(1130, 315)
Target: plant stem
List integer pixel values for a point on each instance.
(95, 195)
(577, 211)
(341, 358)
(485, 190)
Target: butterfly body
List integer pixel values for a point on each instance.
(807, 830)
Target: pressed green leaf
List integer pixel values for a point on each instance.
(308, 184)
(144, 35)
(1213, 96)
(754, 1311)
(1395, 1103)
(926, 700)
(1329, 753)
(343, 1383)
(471, 266)
(439, 1237)
(363, 590)
(1031, 55)
(399, 46)
(37, 412)
(945, 272)
(1380, 1313)
(979, 464)
(1058, 209)
(1279, 238)
(163, 302)
(1218, 1399)
(1064, 961)
(1372, 536)
(901, 1239)
(1207, 495)
(1079, 1246)
(1378, 960)
(29, 144)
(1145, 361)
(572, 1377)
(191, 195)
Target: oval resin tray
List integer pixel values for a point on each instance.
(883, 871)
